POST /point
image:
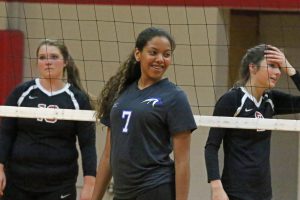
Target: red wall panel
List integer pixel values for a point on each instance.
(11, 61)
(254, 4)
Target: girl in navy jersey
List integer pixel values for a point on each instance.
(147, 118)
(246, 172)
(38, 157)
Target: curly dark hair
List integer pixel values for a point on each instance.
(128, 72)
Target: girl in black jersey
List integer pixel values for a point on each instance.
(38, 157)
(147, 118)
(246, 172)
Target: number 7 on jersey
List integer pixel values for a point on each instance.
(126, 115)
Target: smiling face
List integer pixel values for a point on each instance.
(266, 75)
(154, 58)
(50, 62)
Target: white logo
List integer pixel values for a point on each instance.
(259, 116)
(32, 97)
(248, 110)
(153, 100)
(115, 105)
(64, 196)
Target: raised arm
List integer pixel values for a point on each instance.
(284, 103)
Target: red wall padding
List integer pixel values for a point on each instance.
(254, 4)
(11, 61)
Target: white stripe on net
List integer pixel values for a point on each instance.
(47, 113)
(248, 123)
(209, 121)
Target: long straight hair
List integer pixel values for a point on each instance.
(70, 71)
(253, 55)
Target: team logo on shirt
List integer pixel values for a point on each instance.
(115, 105)
(258, 115)
(32, 97)
(248, 109)
(64, 196)
(153, 101)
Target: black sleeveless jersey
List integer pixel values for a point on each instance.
(246, 173)
(41, 153)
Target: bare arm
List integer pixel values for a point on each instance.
(88, 187)
(181, 144)
(2, 179)
(104, 171)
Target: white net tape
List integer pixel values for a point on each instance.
(201, 120)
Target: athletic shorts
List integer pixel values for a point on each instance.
(12, 192)
(162, 192)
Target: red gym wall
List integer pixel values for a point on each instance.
(12, 42)
(272, 4)
(11, 61)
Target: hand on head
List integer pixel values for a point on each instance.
(275, 55)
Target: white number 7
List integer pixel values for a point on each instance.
(124, 114)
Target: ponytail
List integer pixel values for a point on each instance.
(73, 76)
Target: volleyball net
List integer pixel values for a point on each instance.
(211, 38)
(201, 120)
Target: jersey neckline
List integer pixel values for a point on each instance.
(251, 97)
(39, 85)
(158, 82)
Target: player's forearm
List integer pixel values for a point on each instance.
(217, 190)
(290, 70)
(89, 180)
(215, 184)
(182, 180)
(102, 179)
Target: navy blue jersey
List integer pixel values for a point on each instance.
(246, 173)
(142, 123)
(41, 153)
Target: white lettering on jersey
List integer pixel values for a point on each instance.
(124, 115)
(153, 100)
(52, 121)
(258, 115)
